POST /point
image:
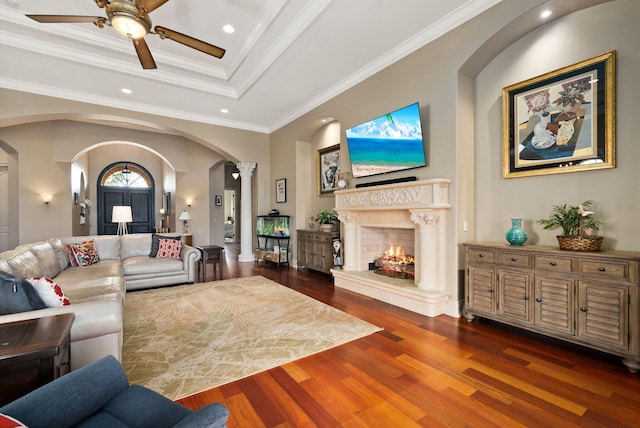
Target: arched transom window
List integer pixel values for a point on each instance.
(125, 175)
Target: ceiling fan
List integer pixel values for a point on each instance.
(131, 19)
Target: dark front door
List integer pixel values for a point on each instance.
(141, 202)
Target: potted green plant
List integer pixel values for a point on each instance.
(578, 226)
(327, 219)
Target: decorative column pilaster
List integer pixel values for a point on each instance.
(351, 240)
(431, 251)
(246, 221)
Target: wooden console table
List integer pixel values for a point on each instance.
(210, 254)
(315, 249)
(32, 353)
(588, 298)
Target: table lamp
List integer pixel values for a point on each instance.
(184, 216)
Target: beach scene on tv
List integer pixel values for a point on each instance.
(392, 142)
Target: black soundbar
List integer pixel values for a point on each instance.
(392, 181)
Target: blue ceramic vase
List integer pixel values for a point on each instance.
(516, 236)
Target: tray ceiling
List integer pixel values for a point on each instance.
(284, 58)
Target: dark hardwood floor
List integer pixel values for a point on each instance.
(423, 371)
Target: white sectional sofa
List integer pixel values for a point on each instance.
(97, 292)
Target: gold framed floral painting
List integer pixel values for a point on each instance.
(561, 121)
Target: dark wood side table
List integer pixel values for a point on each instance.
(33, 352)
(210, 254)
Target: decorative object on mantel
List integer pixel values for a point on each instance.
(327, 219)
(578, 227)
(341, 180)
(516, 235)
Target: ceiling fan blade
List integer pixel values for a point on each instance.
(149, 5)
(144, 54)
(190, 42)
(59, 19)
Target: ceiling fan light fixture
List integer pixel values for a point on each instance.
(128, 20)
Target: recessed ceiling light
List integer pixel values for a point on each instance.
(229, 29)
(126, 91)
(545, 14)
(224, 110)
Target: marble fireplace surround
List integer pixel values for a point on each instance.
(419, 205)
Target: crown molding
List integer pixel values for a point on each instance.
(458, 17)
(119, 104)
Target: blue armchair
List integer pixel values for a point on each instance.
(99, 395)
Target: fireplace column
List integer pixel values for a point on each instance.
(246, 222)
(430, 257)
(350, 240)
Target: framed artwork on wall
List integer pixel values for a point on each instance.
(328, 167)
(166, 203)
(281, 190)
(561, 121)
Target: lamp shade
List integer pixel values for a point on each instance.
(184, 215)
(121, 214)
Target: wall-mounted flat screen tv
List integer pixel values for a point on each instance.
(389, 143)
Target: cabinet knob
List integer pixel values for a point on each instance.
(491, 291)
(583, 309)
(481, 255)
(513, 259)
(539, 300)
(553, 264)
(526, 297)
(602, 269)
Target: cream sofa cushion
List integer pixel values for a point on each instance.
(146, 264)
(108, 246)
(23, 262)
(61, 253)
(49, 265)
(138, 244)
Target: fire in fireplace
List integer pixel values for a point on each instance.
(396, 264)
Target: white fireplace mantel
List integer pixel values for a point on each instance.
(418, 205)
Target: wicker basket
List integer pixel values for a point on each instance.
(579, 243)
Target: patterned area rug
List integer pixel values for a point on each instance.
(186, 339)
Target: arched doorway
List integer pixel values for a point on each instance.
(125, 183)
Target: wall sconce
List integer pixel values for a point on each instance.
(189, 202)
(46, 199)
(235, 175)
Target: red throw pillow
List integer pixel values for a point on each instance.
(72, 256)
(9, 422)
(169, 249)
(50, 292)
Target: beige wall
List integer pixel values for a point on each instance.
(581, 35)
(458, 81)
(35, 128)
(47, 151)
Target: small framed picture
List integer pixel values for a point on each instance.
(561, 121)
(218, 200)
(328, 167)
(281, 190)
